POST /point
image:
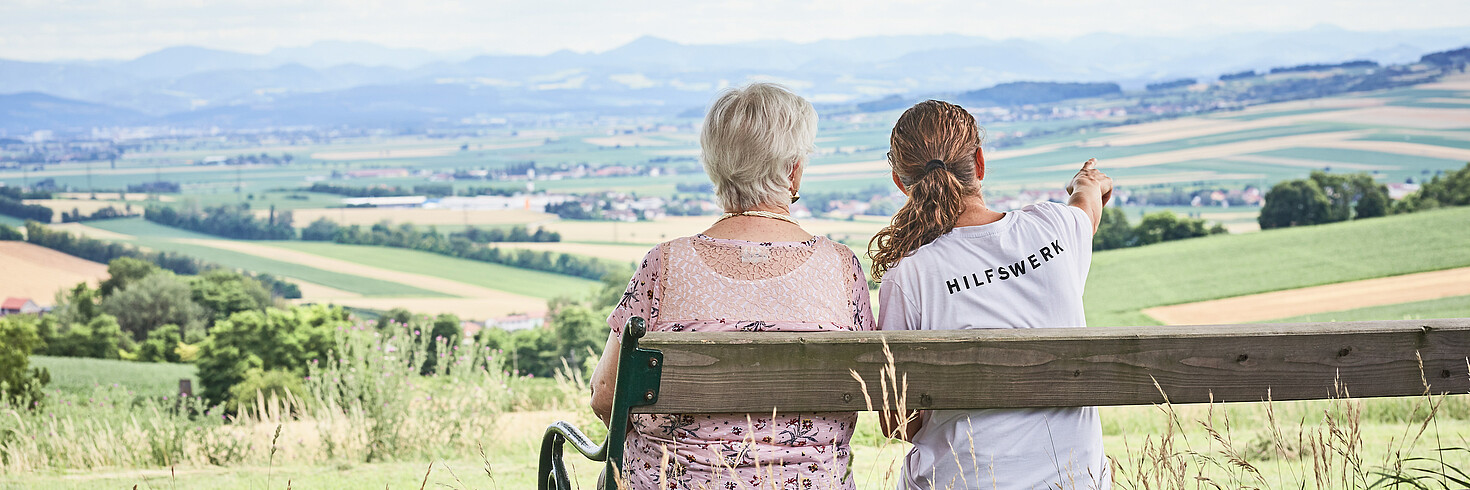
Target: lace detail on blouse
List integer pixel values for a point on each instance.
(716, 285)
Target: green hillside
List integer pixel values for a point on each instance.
(158, 237)
(1123, 282)
(527, 282)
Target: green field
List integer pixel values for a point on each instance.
(1123, 282)
(158, 237)
(78, 376)
(1451, 307)
(493, 276)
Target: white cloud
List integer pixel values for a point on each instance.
(52, 29)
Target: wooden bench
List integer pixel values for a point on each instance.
(660, 372)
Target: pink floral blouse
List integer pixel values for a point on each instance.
(704, 284)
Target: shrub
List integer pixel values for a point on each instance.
(1294, 203)
(20, 386)
(157, 299)
(278, 383)
(223, 293)
(9, 233)
(122, 271)
(99, 338)
(274, 339)
(162, 345)
(1453, 189)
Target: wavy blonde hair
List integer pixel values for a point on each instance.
(928, 131)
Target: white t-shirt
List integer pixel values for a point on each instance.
(1026, 270)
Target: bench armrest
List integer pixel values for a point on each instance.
(636, 384)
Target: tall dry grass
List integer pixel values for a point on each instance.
(367, 402)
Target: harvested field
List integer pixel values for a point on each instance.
(90, 232)
(1404, 148)
(314, 292)
(321, 262)
(422, 217)
(1174, 177)
(847, 168)
(651, 232)
(621, 253)
(36, 272)
(1318, 299)
(465, 308)
(1306, 163)
(1409, 117)
(69, 170)
(626, 140)
(1218, 151)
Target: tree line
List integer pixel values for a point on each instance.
(1329, 198)
(430, 240)
(1114, 231)
(230, 221)
(12, 204)
(108, 212)
(431, 190)
(105, 252)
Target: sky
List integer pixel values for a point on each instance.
(42, 30)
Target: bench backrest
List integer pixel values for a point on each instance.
(756, 372)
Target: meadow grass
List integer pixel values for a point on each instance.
(527, 282)
(1123, 282)
(80, 375)
(1366, 157)
(159, 237)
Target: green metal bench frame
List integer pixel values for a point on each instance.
(639, 373)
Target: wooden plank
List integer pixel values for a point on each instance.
(758, 372)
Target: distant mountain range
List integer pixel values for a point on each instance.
(339, 83)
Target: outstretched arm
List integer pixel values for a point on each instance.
(1090, 190)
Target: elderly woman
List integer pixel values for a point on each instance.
(754, 270)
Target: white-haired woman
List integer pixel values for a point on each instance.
(755, 269)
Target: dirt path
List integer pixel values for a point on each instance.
(431, 283)
(1318, 299)
(36, 272)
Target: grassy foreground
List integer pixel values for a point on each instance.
(1314, 444)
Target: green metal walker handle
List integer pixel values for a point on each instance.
(636, 384)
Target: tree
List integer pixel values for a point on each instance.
(1452, 189)
(223, 293)
(9, 233)
(1347, 192)
(1166, 226)
(271, 340)
(578, 331)
(1294, 203)
(322, 230)
(161, 345)
(158, 299)
(20, 386)
(123, 271)
(100, 338)
(1113, 231)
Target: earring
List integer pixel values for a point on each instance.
(795, 196)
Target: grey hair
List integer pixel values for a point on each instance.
(753, 137)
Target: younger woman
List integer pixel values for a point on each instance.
(949, 262)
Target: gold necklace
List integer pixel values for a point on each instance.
(760, 214)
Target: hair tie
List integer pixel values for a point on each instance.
(933, 165)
